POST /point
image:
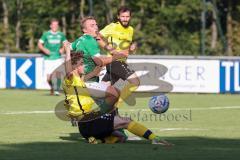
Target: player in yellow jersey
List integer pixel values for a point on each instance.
(78, 101)
(118, 37)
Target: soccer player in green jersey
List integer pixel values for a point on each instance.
(93, 61)
(50, 44)
(92, 58)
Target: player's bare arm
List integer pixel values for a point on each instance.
(104, 60)
(69, 68)
(92, 74)
(133, 48)
(68, 65)
(108, 47)
(61, 50)
(43, 49)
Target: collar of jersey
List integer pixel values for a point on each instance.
(53, 32)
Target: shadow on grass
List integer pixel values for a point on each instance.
(73, 137)
(76, 148)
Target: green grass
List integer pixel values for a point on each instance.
(198, 130)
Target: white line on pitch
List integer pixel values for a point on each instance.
(26, 112)
(183, 109)
(129, 110)
(179, 129)
(135, 138)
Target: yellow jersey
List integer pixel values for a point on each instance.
(118, 36)
(77, 99)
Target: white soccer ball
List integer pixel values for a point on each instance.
(159, 104)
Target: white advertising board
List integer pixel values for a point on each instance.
(2, 72)
(200, 76)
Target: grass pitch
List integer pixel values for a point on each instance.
(202, 126)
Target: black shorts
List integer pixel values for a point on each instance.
(98, 128)
(117, 70)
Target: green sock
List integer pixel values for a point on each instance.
(58, 83)
(105, 107)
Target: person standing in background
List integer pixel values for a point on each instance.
(51, 44)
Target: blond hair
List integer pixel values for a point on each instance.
(84, 20)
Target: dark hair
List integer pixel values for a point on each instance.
(82, 22)
(123, 9)
(76, 56)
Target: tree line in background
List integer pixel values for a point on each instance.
(162, 27)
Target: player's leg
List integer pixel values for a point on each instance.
(111, 97)
(115, 71)
(111, 94)
(129, 88)
(53, 76)
(55, 81)
(102, 90)
(133, 80)
(48, 73)
(122, 70)
(50, 82)
(58, 83)
(56, 67)
(138, 129)
(116, 137)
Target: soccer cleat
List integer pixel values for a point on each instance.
(123, 134)
(56, 93)
(93, 140)
(158, 140)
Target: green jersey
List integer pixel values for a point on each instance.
(90, 48)
(53, 42)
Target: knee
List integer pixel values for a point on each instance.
(121, 122)
(58, 74)
(135, 81)
(111, 91)
(126, 122)
(49, 77)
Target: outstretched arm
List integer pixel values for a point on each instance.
(94, 73)
(109, 47)
(104, 60)
(68, 64)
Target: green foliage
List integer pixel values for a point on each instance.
(161, 26)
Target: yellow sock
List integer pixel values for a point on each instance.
(125, 92)
(140, 130)
(111, 139)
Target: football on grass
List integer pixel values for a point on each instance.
(159, 104)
